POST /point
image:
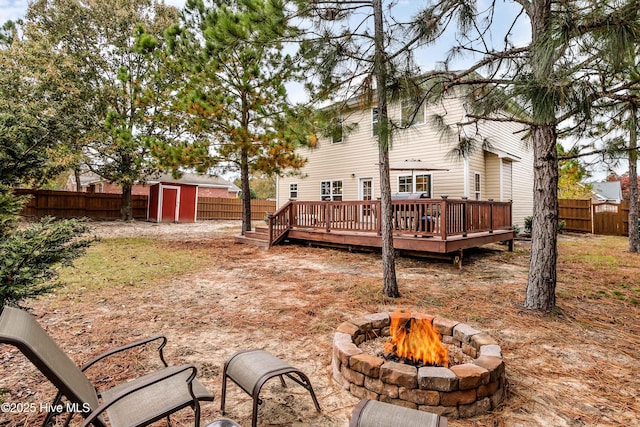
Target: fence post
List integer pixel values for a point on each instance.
(490, 215)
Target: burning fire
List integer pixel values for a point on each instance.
(415, 339)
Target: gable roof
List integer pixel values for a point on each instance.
(607, 191)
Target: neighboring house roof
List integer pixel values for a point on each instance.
(610, 191)
(212, 181)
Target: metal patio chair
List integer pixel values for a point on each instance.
(373, 413)
(139, 402)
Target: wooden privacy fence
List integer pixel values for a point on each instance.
(222, 208)
(71, 204)
(598, 218)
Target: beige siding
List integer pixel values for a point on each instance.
(507, 138)
(492, 178)
(357, 157)
(507, 182)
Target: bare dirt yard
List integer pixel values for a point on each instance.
(211, 297)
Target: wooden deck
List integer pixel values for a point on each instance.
(422, 226)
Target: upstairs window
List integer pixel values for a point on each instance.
(337, 132)
(411, 114)
(375, 118)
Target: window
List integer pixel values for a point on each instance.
(477, 185)
(405, 184)
(410, 115)
(375, 117)
(423, 184)
(337, 131)
(293, 191)
(331, 190)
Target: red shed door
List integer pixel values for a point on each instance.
(169, 204)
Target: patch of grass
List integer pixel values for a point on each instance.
(136, 262)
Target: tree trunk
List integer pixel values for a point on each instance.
(389, 282)
(541, 285)
(634, 239)
(246, 192)
(126, 212)
(76, 174)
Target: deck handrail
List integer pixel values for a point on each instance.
(279, 223)
(442, 217)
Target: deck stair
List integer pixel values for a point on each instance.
(258, 237)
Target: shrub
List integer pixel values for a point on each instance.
(561, 225)
(30, 257)
(528, 223)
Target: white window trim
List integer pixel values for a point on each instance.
(373, 123)
(430, 182)
(360, 189)
(331, 194)
(412, 183)
(297, 190)
(341, 140)
(477, 178)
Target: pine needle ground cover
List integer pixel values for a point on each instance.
(211, 298)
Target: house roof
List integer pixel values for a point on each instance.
(607, 191)
(212, 181)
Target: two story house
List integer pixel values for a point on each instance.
(422, 159)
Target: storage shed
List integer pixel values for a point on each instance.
(172, 202)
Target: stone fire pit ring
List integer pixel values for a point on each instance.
(460, 391)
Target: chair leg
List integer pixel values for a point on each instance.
(50, 414)
(196, 413)
(282, 381)
(254, 412)
(307, 384)
(224, 390)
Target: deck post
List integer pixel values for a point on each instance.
(270, 231)
(444, 213)
(378, 218)
(465, 226)
(327, 215)
(291, 215)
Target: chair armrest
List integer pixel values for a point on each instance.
(128, 347)
(167, 373)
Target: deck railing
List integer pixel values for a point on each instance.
(420, 217)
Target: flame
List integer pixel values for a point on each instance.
(415, 339)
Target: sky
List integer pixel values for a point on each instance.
(427, 57)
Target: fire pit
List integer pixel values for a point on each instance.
(457, 391)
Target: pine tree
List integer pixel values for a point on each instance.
(235, 72)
